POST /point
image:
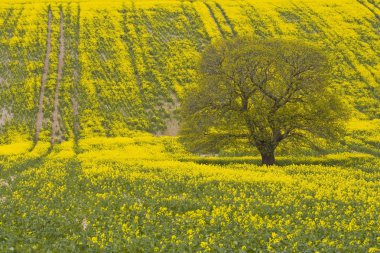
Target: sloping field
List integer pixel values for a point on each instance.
(70, 70)
(85, 86)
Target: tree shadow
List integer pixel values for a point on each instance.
(367, 164)
(22, 164)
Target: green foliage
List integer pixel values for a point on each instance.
(264, 91)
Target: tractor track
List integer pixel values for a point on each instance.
(45, 73)
(76, 81)
(212, 14)
(363, 3)
(227, 19)
(56, 131)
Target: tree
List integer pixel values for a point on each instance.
(264, 91)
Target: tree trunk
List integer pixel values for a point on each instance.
(267, 158)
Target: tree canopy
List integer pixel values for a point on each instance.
(261, 91)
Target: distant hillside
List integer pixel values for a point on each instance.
(94, 68)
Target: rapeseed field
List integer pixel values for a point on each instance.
(134, 195)
(89, 153)
(125, 65)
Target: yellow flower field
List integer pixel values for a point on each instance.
(126, 63)
(90, 164)
(131, 194)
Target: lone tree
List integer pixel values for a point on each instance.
(264, 91)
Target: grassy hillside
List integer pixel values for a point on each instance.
(72, 70)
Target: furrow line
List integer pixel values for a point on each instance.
(362, 2)
(212, 14)
(226, 18)
(56, 131)
(76, 81)
(45, 74)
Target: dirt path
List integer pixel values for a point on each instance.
(76, 81)
(172, 123)
(56, 131)
(40, 113)
(6, 115)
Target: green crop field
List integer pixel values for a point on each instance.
(89, 153)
